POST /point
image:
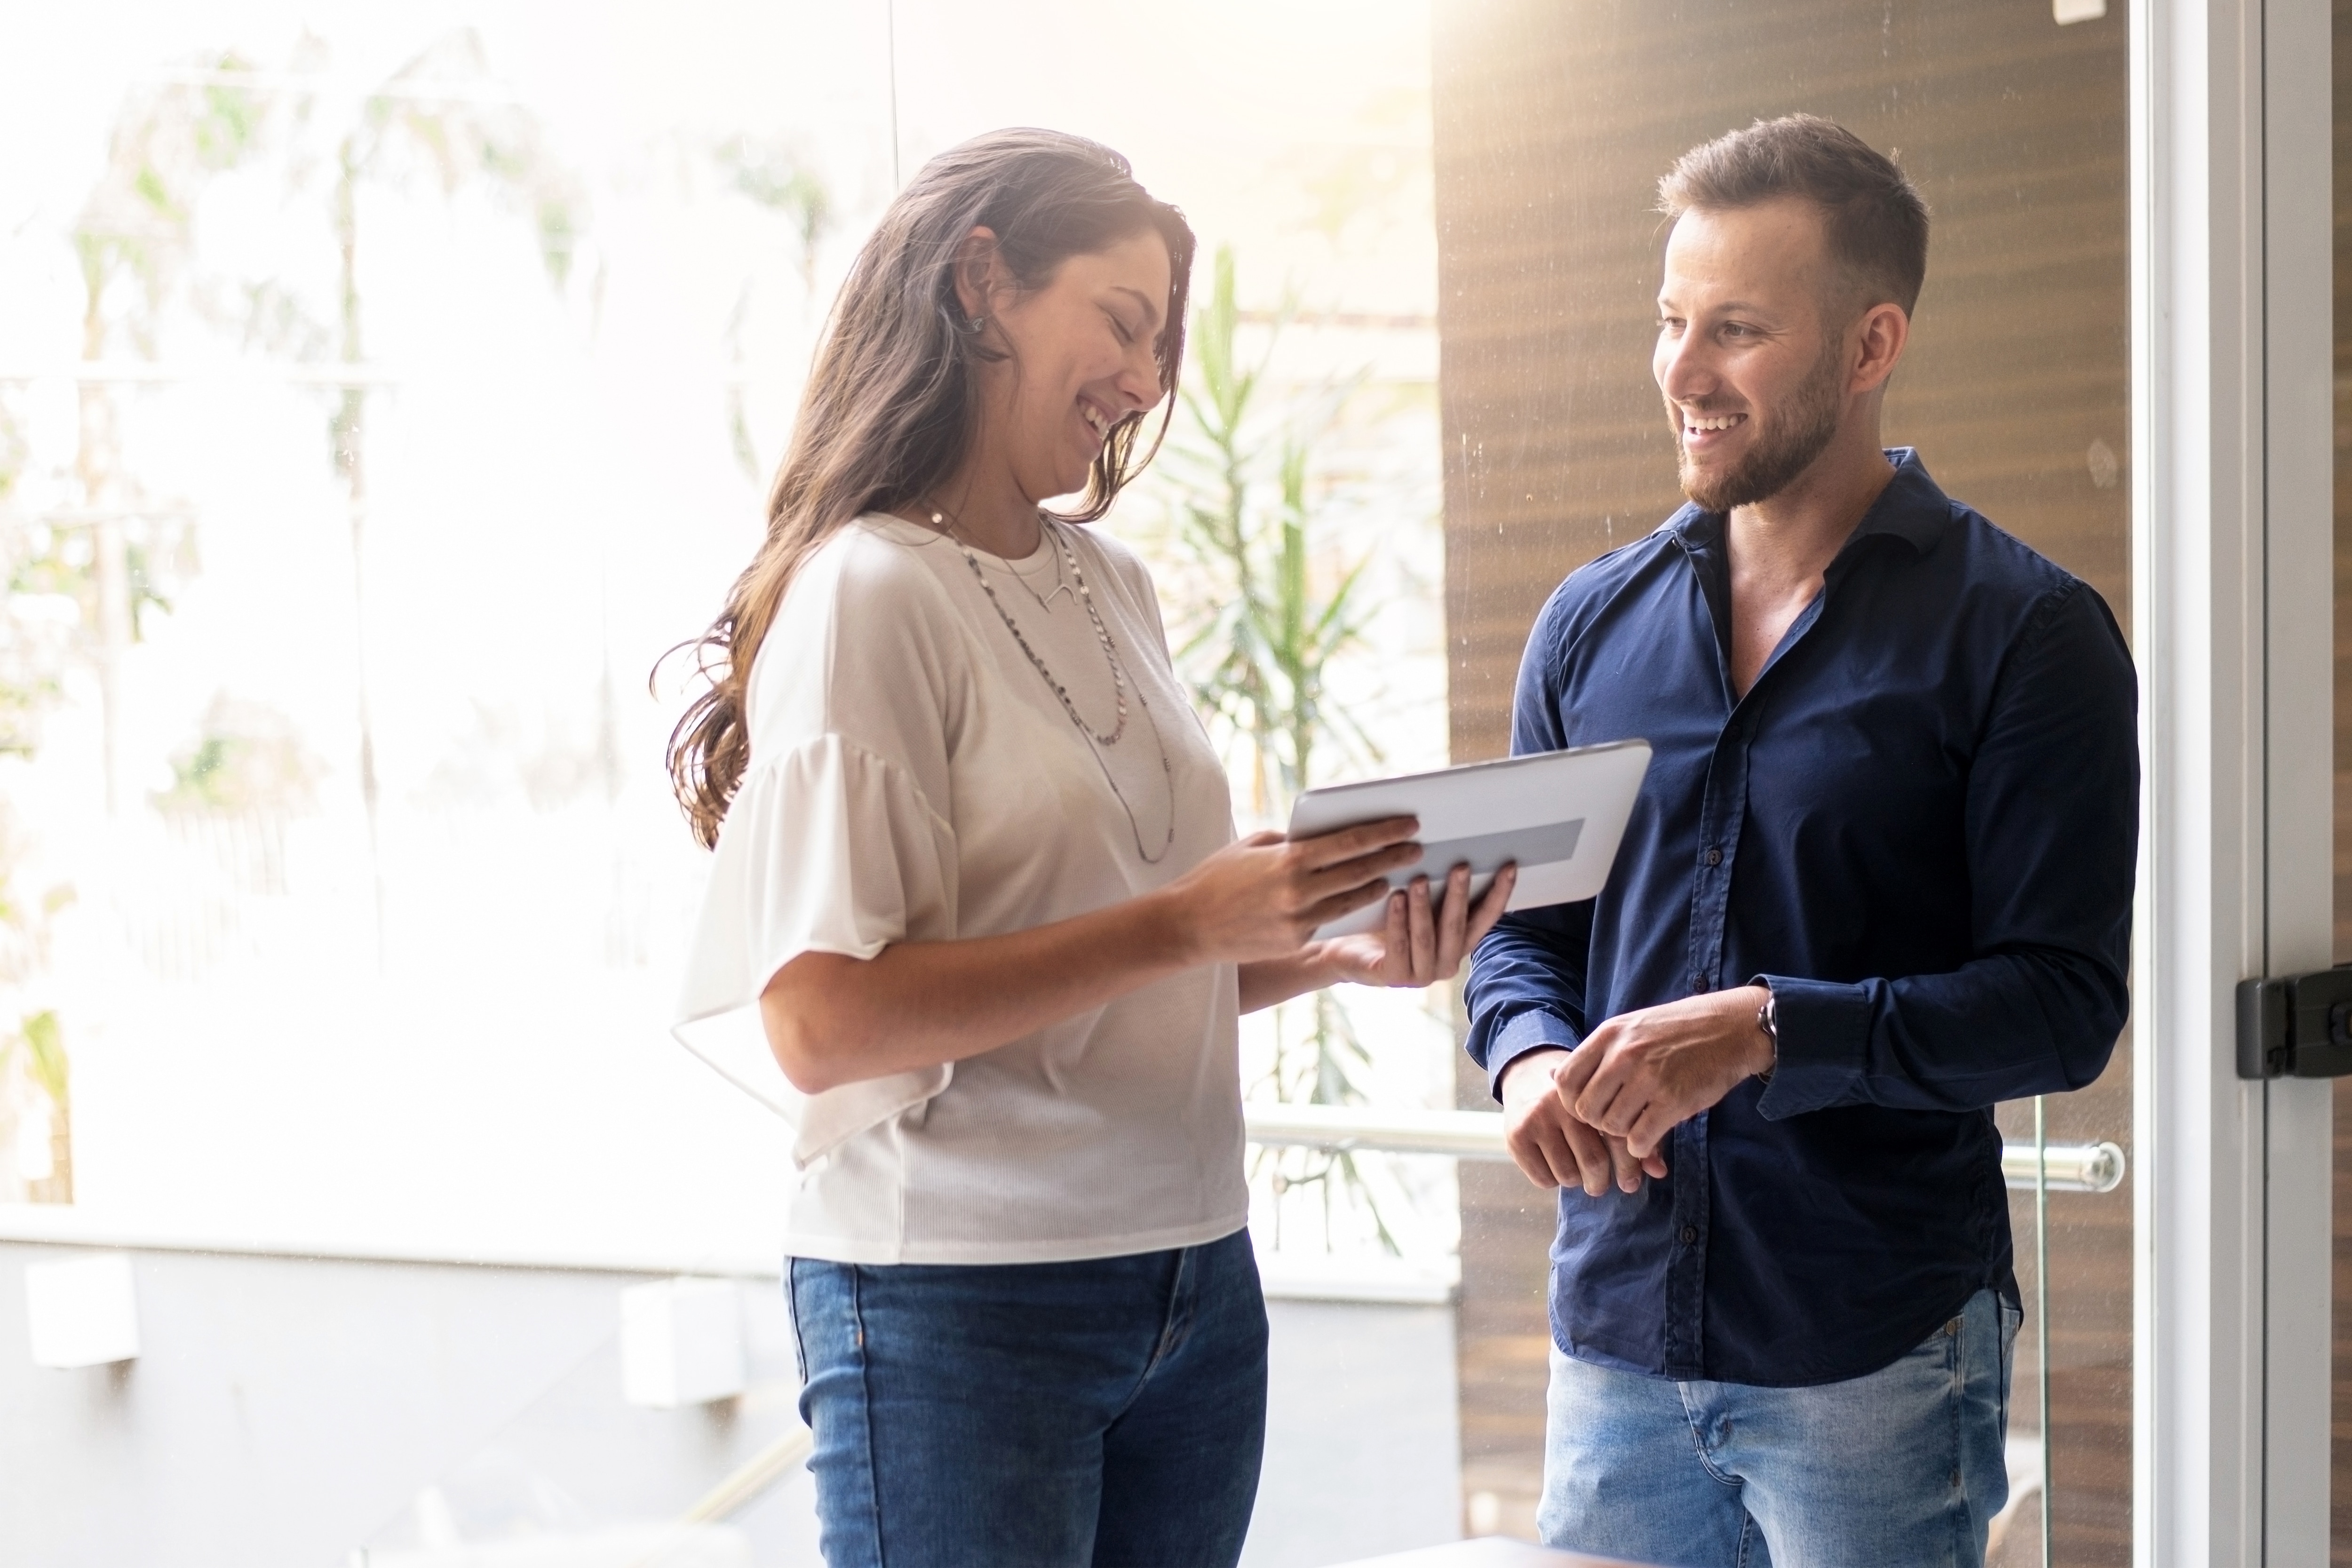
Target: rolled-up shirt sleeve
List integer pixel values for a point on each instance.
(2052, 822)
(1526, 990)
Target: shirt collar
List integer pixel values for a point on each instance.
(1913, 507)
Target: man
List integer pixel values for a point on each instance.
(1879, 879)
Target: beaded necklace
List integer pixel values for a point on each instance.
(1118, 677)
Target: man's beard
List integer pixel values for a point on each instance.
(1785, 445)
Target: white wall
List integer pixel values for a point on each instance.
(286, 1411)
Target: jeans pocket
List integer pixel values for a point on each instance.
(1941, 1348)
(2012, 1320)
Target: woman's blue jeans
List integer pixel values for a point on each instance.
(1108, 1411)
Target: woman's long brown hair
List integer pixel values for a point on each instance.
(891, 401)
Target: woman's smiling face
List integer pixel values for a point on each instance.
(1081, 356)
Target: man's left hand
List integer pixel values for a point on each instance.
(1639, 1074)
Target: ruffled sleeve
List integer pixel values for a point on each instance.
(826, 849)
(838, 840)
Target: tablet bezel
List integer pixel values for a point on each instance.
(1608, 777)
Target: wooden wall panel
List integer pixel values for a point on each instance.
(1553, 119)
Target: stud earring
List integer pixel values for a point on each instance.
(976, 325)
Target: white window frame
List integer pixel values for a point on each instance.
(2233, 598)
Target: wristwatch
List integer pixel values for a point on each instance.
(1768, 1018)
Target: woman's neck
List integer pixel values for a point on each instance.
(988, 511)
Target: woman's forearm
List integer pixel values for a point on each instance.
(1273, 980)
(833, 1019)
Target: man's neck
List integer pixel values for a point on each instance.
(1789, 540)
(1781, 549)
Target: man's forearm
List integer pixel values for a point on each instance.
(2006, 1028)
(1543, 1061)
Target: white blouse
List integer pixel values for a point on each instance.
(914, 778)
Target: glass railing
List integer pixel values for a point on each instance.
(2033, 1168)
(1478, 1135)
(676, 1442)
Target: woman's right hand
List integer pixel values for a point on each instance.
(1263, 897)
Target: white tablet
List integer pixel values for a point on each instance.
(1558, 815)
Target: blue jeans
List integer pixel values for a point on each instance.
(1108, 1411)
(1902, 1467)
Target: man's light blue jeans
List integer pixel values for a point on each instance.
(1902, 1469)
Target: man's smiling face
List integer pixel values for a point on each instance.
(1752, 368)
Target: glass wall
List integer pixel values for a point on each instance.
(383, 392)
(1553, 123)
(2340, 1491)
(381, 397)
(383, 401)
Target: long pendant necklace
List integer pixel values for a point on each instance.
(1118, 680)
(1044, 602)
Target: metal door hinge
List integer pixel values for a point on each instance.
(2297, 1025)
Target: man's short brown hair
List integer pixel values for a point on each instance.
(1876, 221)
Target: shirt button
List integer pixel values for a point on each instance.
(1699, 983)
(1690, 1235)
(1714, 857)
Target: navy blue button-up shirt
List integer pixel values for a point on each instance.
(1918, 827)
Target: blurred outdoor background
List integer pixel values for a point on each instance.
(383, 392)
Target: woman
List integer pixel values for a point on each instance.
(977, 876)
